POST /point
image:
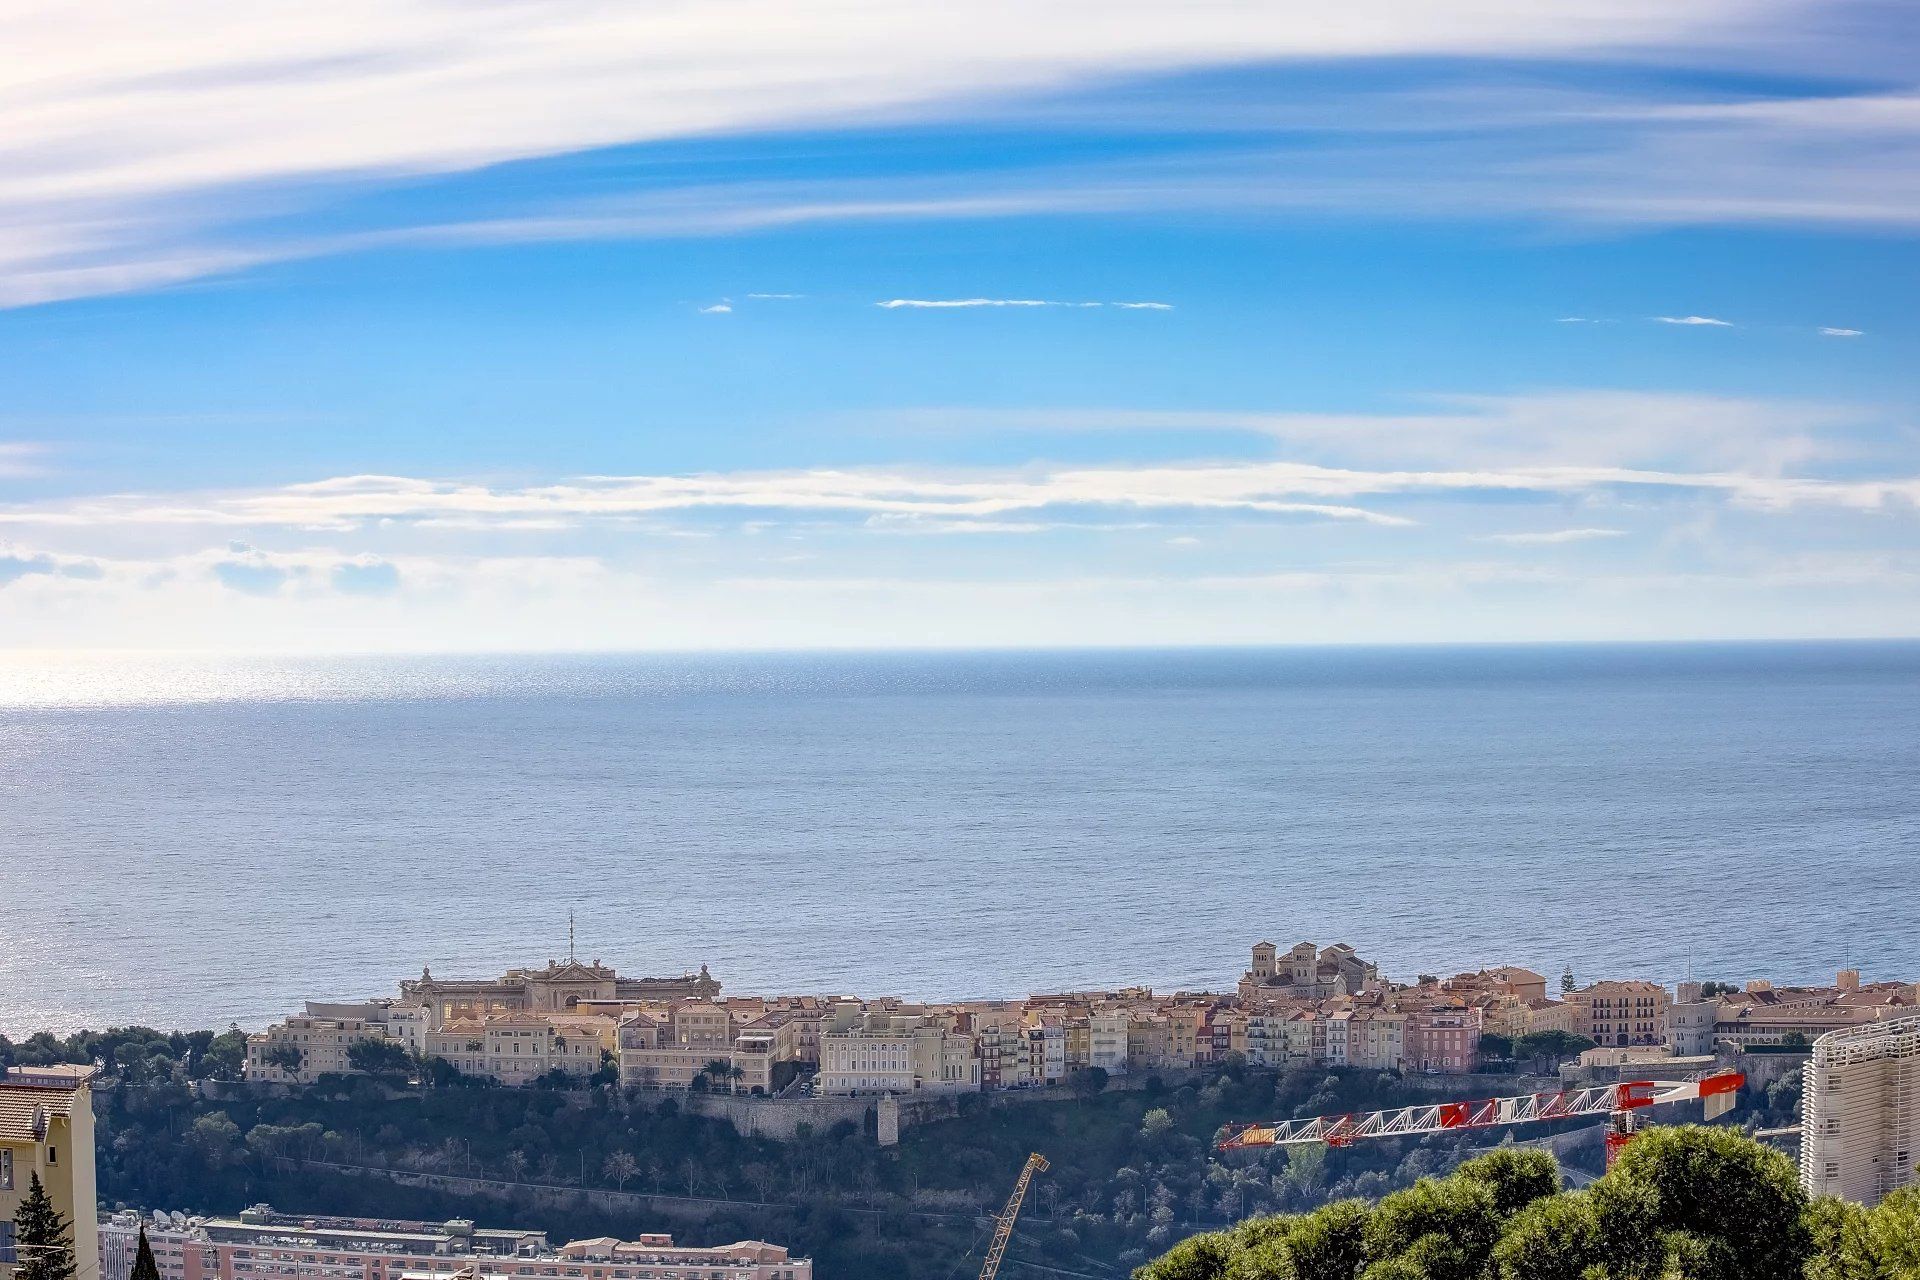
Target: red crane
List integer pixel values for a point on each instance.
(1621, 1102)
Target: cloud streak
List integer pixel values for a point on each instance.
(1552, 537)
(137, 150)
(1266, 489)
(964, 304)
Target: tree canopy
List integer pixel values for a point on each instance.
(42, 1238)
(1703, 1203)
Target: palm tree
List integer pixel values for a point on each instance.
(621, 1166)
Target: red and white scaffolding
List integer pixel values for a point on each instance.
(1619, 1101)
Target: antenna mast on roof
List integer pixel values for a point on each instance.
(570, 956)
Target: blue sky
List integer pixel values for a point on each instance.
(415, 328)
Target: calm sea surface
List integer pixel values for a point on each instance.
(193, 842)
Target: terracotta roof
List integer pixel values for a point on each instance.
(19, 1104)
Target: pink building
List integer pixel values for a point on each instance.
(1442, 1039)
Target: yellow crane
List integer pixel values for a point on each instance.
(1003, 1230)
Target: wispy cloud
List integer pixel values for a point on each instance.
(1254, 489)
(147, 155)
(1552, 537)
(1841, 333)
(775, 297)
(946, 304)
(717, 309)
(1646, 430)
(1709, 321)
(952, 304)
(20, 459)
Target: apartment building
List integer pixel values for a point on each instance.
(264, 1245)
(315, 1042)
(1442, 1039)
(1860, 1105)
(46, 1131)
(519, 1048)
(895, 1051)
(1376, 1038)
(1107, 1038)
(689, 1041)
(1621, 1013)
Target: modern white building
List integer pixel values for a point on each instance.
(1860, 1129)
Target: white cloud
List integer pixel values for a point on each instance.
(1696, 320)
(948, 304)
(1841, 333)
(135, 146)
(774, 297)
(19, 459)
(717, 309)
(940, 304)
(1552, 537)
(1260, 488)
(128, 140)
(1603, 446)
(1674, 431)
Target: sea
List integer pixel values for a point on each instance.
(192, 841)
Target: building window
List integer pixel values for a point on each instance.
(6, 1176)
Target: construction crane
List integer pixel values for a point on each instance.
(1621, 1102)
(1003, 1228)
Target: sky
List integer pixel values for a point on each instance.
(410, 326)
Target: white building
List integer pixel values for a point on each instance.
(895, 1052)
(1107, 1040)
(262, 1244)
(1860, 1129)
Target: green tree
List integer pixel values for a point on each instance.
(1202, 1257)
(379, 1057)
(1447, 1227)
(1732, 1207)
(144, 1267)
(223, 1058)
(42, 1238)
(1553, 1239)
(1156, 1123)
(1852, 1242)
(1538, 1048)
(216, 1138)
(286, 1056)
(1307, 1166)
(1331, 1242)
(1516, 1178)
(1087, 1081)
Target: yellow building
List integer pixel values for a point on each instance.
(46, 1130)
(1620, 1014)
